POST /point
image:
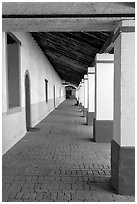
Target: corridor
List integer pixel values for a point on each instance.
(58, 161)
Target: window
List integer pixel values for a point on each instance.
(46, 89)
(13, 71)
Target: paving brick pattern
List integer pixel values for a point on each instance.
(58, 161)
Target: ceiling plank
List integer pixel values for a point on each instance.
(78, 43)
(95, 36)
(70, 53)
(63, 40)
(73, 63)
(81, 60)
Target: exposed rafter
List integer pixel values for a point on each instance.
(71, 53)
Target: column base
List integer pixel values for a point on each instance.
(90, 118)
(123, 168)
(102, 130)
(85, 112)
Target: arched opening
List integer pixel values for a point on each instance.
(27, 102)
(70, 92)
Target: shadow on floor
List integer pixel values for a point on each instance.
(34, 129)
(87, 139)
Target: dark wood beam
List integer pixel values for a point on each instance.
(108, 46)
(65, 60)
(94, 36)
(84, 41)
(68, 51)
(69, 56)
(62, 40)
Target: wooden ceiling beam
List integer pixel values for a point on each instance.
(87, 39)
(70, 55)
(83, 41)
(48, 48)
(67, 67)
(105, 33)
(78, 42)
(108, 46)
(94, 36)
(68, 8)
(80, 46)
(58, 24)
(69, 44)
(66, 61)
(75, 78)
(69, 73)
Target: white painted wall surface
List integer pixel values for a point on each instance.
(104, 86)
(124, 90)
(4, 85)
(91, 89)
(33, 60)
(85, 91)
(82, 92)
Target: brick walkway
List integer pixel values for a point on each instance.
(57, 161)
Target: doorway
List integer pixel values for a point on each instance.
(27, 102)
(70, 92)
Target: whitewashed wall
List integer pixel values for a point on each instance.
(39, 68)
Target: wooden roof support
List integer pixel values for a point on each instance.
(68, 8)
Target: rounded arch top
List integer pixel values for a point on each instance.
(71, 85)
(27, 73)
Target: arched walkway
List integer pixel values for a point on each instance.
(58, 161)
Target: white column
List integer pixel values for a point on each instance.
(78, 94)
(123, 143)
(85, 94)
(85, 91)
(82, 94)
(103, 125)
(91, 95)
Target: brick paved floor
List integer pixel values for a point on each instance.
(57, 161)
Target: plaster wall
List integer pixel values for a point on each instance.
(82, 92)
(86, 91)
(39, 68)
(104, 86)
(124, 90)
(91, 92)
